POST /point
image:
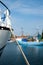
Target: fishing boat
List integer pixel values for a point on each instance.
(5, 26)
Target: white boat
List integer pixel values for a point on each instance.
(5, 28)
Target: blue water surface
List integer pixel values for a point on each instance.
(12, 56)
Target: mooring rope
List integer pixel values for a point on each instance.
(24, 56)
(22, 53)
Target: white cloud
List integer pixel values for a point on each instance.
(30, 11)
(18, 6)
(15, 4)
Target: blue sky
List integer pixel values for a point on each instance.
(26, 14)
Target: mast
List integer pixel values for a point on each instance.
(22, 32)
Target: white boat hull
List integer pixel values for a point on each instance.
(4, 36)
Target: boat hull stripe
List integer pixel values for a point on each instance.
(4, 28)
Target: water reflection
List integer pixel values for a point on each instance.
(12, 56)
(34, 54)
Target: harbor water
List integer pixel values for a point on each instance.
(12, 56)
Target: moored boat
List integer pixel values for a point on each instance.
(5, 27)
(29, 43)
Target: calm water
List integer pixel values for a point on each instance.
(12, 56)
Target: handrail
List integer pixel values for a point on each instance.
(5, 6)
